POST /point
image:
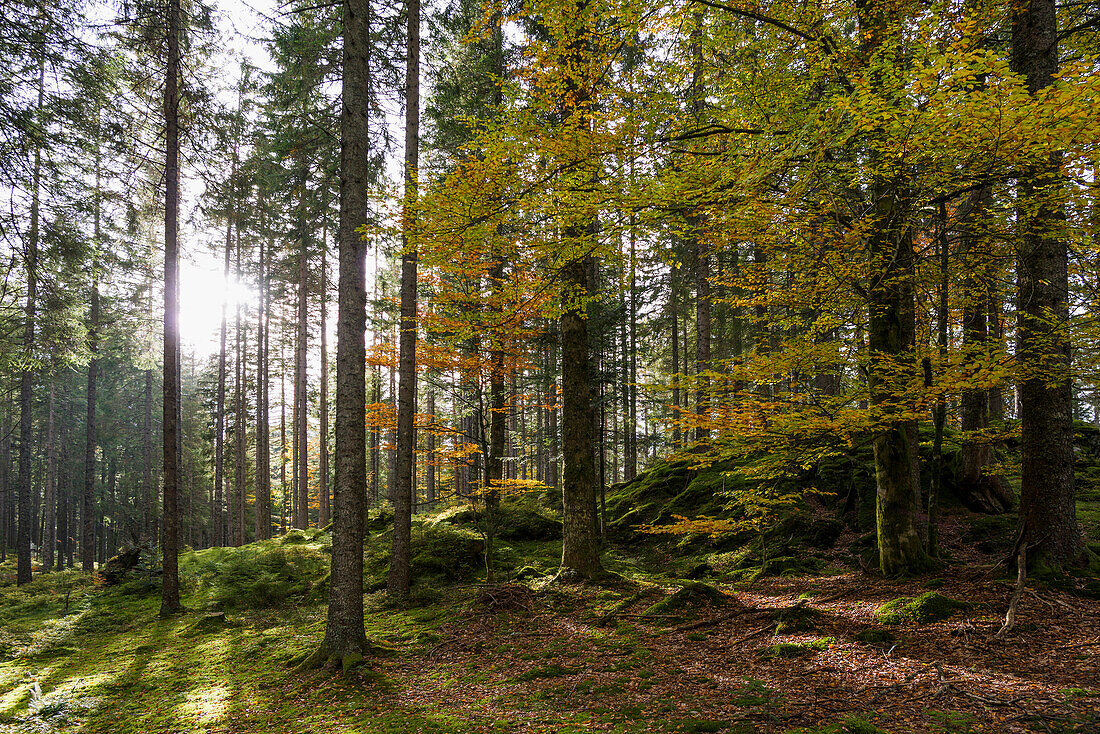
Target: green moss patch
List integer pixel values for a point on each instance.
(691, 597)
(788, 650)
(927, 608)
(799, 618)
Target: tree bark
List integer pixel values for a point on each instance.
(400, 575)
(322, 468)
(170, 600)
(345, 640)
(263, 428)
(301, 408)
(978, 489)
(580, 547)
(1047, 502)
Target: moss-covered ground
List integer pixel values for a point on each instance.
(695, 637)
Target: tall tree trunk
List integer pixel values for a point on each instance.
(1047, 502)
(170, 600)
(978, 489)
(283, 487)
(301, 408)
(87, 534)
(345, 640)
(49, 534)
(400, 576)
(218, 515)
(429, 450)
(26, 380)
(677, 436)
(322, 469)
(63, 545)
(236, 494)
(263, 429)
(149, 491)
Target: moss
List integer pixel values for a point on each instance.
(852, 724)
(701, 725)
(992, 533)
(787, 650)
(875, 636)
(693, 596)
(545, 671)
(799, 618)
(927, 608)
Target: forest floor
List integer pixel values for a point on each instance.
(75, 657)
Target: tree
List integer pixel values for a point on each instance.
(400, 577)
(345, 641)
(170, 599)
(1047, 507)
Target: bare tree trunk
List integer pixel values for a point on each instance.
(170, 600)
(26, 380)
(429, 451)
(400, 576)
(263, 429)
(345, 640)
(49, 534)
(322, 469)
(1047, 502)
(301, 409)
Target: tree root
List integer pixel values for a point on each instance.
(1021, 580)
(345, 661)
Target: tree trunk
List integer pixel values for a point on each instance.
(1047, 503)
(345, 640)
(170, 600)
(979, 490)
(87, 534)
(399, 577)
(301, 408)
(26, 380)
(218, 514)
(49, 534)
(263, 429)
(322, 469)
(429, 451)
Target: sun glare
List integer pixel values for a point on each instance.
(203, 290)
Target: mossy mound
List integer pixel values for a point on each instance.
(691, 597)
(263, 574)
(992, 533)
(799, 618)
(789, 650)
(850, 725)
(440, 552)
(511, 521)
(667, 489)
(875, 636)
(927, 608)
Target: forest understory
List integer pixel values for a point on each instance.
(692, 637)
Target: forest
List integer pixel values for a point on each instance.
(550, 366)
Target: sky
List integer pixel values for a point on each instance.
(203, 287)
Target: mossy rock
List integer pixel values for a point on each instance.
(812, 532)
(927, 608)
(799, 618)
(692, 596)
(992, 533)
(451, 553)
(789, 650)
(527, 573)
(850, 725)
(545, 671)
(875, 636)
